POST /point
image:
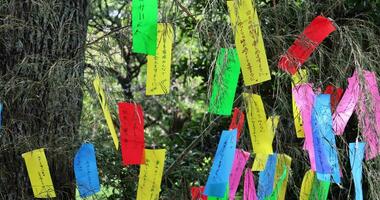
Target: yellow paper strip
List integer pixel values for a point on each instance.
(283, 160)
(158, 67)
(249, 42)
(307, 185)
(299, 77)
(103, 102)
(261, 159)
(257, 124)
(39, 174)
(150, 176)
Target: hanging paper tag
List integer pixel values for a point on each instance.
(368, 110)
(336, 95)
(86, 171)
(281, 176)
(159, 66)
(131, 133)
(150, 176)
(144, 26)
(197, 193)
(260, 162)
(305, 44)
(221, 198)
(237, 121)
(217, 181)
(266, 178)
(1, 115)
(103, 102)
(241, 158)
(39, 174)
(320, 189)
(249, 42)
(257, 123)
(249, 186)
(304, 98)
(226, 77)
(307, 185)
(356, 162)
(298, 78)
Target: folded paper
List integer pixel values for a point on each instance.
(131, 133)
(336, 94)
(86, 171)
(305, 44)
(257, 123)
(144, 26)
(249, 186)
(240, 160)
(249, 41)
(304, 98)
(150, 176)
(356, 163)
(237, 121)
(159, 66)
(226, 77)
(300, 77)
(368, 111)
(217, 181)
(197, 193)
(103, 102)
(326, 156)
(39, 174)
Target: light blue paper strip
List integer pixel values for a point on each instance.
(221, 167)
(266, 178)
(356, 162)
(326, 156)
(86, 171)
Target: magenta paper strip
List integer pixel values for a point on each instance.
(304, 97)
(249, 186)
(368, 111)
(241, 158)
(346, 105)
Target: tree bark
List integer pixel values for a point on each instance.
(41, 71)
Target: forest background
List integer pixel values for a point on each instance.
(50, 52)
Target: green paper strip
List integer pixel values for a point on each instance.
(278, 187)
(320, 190)
(226, 77)
(225, 195)
(144, 26)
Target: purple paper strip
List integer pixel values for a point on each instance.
(249, 186)
(241, 158)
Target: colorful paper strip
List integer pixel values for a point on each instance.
(131, 133)
(39, 174)
(237, 121)
(336, 94)
(249, 186)
(356, 162)
(240, 160)
(144, 26)
(217, 181)
(86, 171)
(249, 41)
(150, 176)
(305, 44)
(197, 193)
(103, 102)
(307, 185)
(159, 66)
(300, 77)
(226, 78)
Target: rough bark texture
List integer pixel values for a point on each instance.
(41, 71)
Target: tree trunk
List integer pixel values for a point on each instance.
(41, 71)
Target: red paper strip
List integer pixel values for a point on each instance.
(305, 44)
(237, 121)
(131, 133)
(336, 95)
(197, 193)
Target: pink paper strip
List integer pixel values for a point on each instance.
(249, 186)
(304, 97)
(346, 105)
(241, 158)
(368, 111)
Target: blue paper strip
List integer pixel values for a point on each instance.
(356, 160)
(1, 114)
(266, 178)
(221, 167)
(86, 171)
(326, 156)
